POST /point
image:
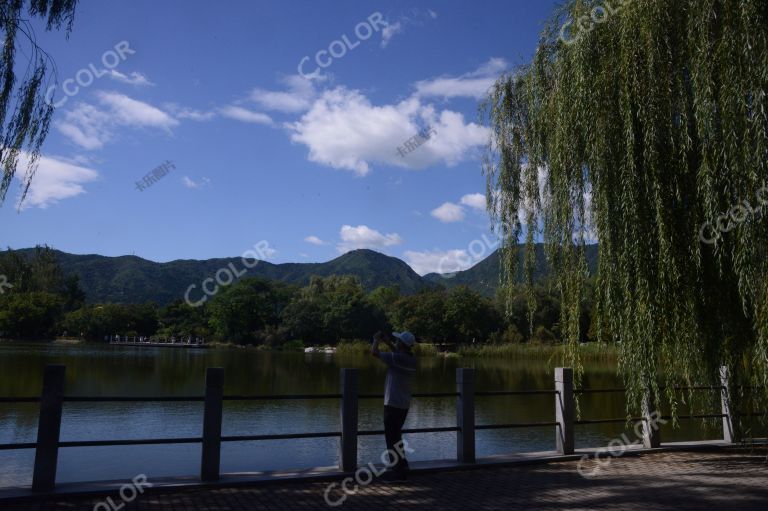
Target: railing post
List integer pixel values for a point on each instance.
(349, 409)
(49, 429)
(651, 429)
(465, 415)
(730, 431)
(212, 418)
(564, 410)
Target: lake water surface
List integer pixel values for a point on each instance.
(103, 370)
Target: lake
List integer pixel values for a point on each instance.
(104, 370)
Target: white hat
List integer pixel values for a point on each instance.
(406, 338)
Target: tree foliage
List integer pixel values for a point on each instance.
(40, 272)
(94, 322)
(332, 308)
(240, 313)
(638, 130)
(37, 294)
(25, 113)
(39, 300)
(29, 315)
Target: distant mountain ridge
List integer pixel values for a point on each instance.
(484, 276)
(131, 279)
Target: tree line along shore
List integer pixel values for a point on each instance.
(330, 311)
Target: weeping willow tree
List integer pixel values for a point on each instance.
(25, 113)
(643, 126)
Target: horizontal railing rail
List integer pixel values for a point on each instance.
(598, 391)
(696, 416)
(622, 390)
(52, 400)
(19, 399)
(699, 387)
(517, 425)
(608, 421)
(129, 441)
(495, 393)
(12, 447)
(283, 436)
(279, 397)
(132, 399)
(445, 429)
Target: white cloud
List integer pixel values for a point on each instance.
(134, 78)
(449, 212)
(474, 200)
(344, 130)
(415, 16)
(298, 98)
(268, 252)
(91, 127)
(243, 114)
(363, 236)
(473, 85)
(189, 113)
(86, 126)
(438, 261)
(82, 136)
(314, 240)
(132, 112)
(54, 180)
(389, 32)
(190, 183)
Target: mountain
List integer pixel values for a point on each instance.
(131, 279)
(484, 276)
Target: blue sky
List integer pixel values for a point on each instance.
(308, 164)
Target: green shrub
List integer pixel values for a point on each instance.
(425, 350)
(353, 348)
(543, 335)
(509, 336)
(293, 345)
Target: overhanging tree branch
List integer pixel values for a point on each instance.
(25, 114)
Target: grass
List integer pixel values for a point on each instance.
(364, 348)
(591, 351)
(353, 348)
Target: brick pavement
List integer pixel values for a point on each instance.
(667, 480)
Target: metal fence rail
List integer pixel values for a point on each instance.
(52, 400)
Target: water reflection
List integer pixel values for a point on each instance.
(122, 371)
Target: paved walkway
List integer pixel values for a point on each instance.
(657, 481)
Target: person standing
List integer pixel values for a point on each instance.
(401, 366)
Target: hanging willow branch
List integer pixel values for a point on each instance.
(638, 130)
(25, 115)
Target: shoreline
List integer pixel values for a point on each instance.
(349, 348)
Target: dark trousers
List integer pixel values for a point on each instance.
(394, 418)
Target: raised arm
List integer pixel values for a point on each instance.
(377, 338)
